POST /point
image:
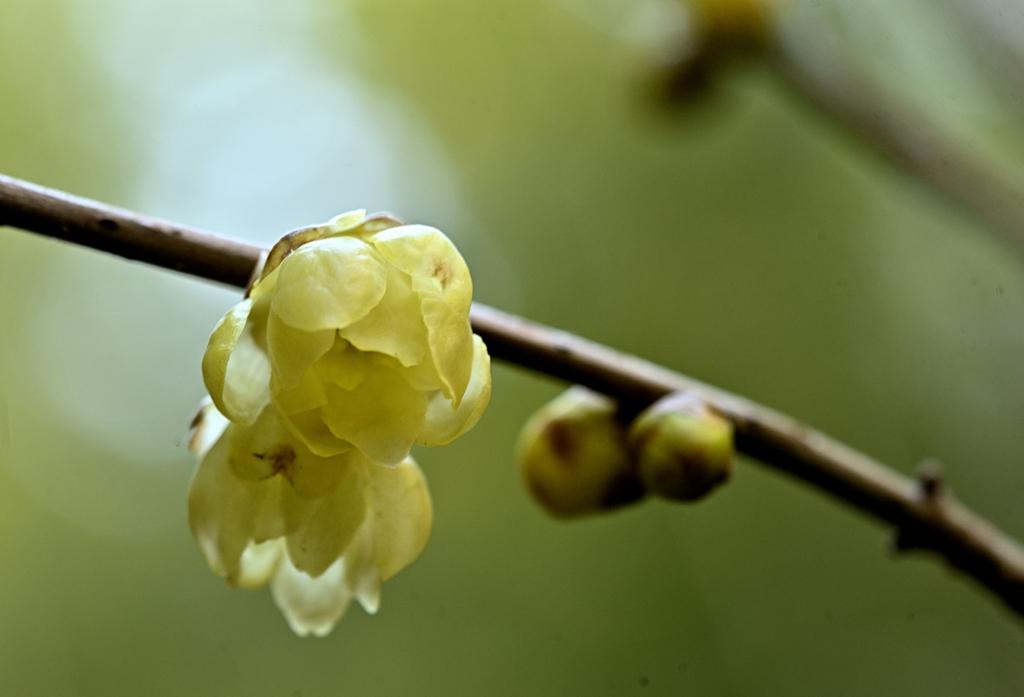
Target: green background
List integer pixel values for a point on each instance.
(746, 240)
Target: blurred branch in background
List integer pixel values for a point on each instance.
(924, 513)
(816, 67)
(816, 64)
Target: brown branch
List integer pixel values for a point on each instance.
(924, 514)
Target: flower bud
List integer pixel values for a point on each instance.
(737, 22)
(683, 449)
(574, 456)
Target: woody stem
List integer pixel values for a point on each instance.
(924, 514)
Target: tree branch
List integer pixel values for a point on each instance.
(815, 65)
(924, 513)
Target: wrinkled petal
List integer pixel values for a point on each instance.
(322, 528)
(451, 341)
(344, 365)
(426, 253)
(225, 513)
(292, 350)
(262, 295)
(346, 222)
(247, 381)
(310, 392)
(283, 248)
(259, 562)
(361, 572)
(268, 448)
(262, 292)
(381, 417)
(395, 326)
(444, 424)
(259, 451)
(311, 605)
(329, 284)
(402, 515)
(207, 426)
(235, 370)
(309, 427)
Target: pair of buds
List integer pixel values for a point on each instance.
(578, 456)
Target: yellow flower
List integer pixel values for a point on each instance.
(353, 344)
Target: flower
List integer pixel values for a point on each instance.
(354, 343)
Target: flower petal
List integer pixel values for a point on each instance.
(268, 448)
(395, 326)
(329, 284)
(309, 427)
(206, 428)
(324, 527)
(424, 252)
(311, 605)
(235, 370)
(259, 562)
(450, 338)
(225, 513)
(361, 572)
(288, 244)
(402, 515)
(381, 417)
(346, 223)
(292, 350)
(308, 393)
(344, 365)
(444, 424)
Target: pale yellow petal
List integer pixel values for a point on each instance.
(218, 349)
(225, 513)
(424, 377)
(309, 427)
(310, 605)
(292, 351)
(451, 341)
(262, 296)
(263, 290)
(329, 284)
(361, 572)
(308, 393)
(206, 428)
(285, 246)
(424, 252)
(324, 527)
(259, 562)
(395, 326)
(346, 222)
(268, 449)
(381, 417)
(257, 452)
(402, 515)
(344, 365)
(444, 424)
(247, 381)
(235, 370)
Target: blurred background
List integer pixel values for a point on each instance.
(742, 237)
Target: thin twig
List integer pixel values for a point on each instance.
(924, 513)
(815, 65)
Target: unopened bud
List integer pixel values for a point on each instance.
(737, 22)
(574, 456)
(683, 449)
